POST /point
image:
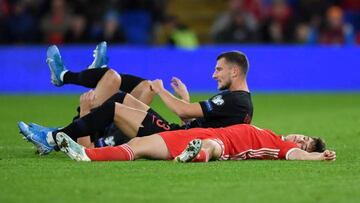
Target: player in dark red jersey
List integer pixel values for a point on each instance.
(237, 142)
(136, 119)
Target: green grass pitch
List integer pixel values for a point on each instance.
(26, 177)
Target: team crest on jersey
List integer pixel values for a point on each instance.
(109, 141)
(218, 100)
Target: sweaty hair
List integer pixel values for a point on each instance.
(236, 57)
(318, 145)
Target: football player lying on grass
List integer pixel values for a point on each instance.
(237, 142)
(118, 108)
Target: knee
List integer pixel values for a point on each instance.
(146, 87)
(143, 92)
(112, 77)
(213, 148)
(146, 83)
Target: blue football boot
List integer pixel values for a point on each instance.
(24, 130)
(100, 56)
(56, 65)
(37, 137)
(38, 127)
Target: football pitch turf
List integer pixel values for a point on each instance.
(26, 177)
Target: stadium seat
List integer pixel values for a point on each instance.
(137, 25)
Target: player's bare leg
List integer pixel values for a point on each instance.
(128, 119)
(108, 85)
(150, 147)
(212, 148)
(139, 98)
(143, 92)
(130, 114)
(132, 102)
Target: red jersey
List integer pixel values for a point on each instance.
(238, 142)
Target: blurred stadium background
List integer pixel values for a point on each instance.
(180, 23)
(292, 45)
(304, 77)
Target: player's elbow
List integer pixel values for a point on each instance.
(296, 154)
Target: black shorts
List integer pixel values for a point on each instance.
(112, 136)
(153, 123)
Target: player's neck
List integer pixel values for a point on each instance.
(239, 86)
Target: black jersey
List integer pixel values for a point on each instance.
(224, 109)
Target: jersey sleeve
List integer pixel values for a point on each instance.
(206, 107)
(285, 148)
(219, 105)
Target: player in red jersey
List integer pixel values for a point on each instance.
(237, 142)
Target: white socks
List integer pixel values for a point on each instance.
(50, 140)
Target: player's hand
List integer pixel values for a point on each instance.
(157, 85)
(87, 102)
(329, 155)
(180, 89)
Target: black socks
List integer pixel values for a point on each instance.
(90, 78)
(117, 97)
(95, 121)
(87, 78)
(129, 82)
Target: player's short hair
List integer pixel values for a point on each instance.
(236, 57)
(318, 145)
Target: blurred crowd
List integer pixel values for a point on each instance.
(291, 21)
(79, 21)
(137, 22)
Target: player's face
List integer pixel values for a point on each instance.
(302, 141)
(222, 74)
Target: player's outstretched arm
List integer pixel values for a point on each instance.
(298, 154)
(180, 107)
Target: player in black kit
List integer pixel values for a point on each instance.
(134, 118)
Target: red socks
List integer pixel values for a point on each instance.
(125, 153)
(203, 156)
(118, 153)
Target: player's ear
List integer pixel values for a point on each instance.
(235, 71)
